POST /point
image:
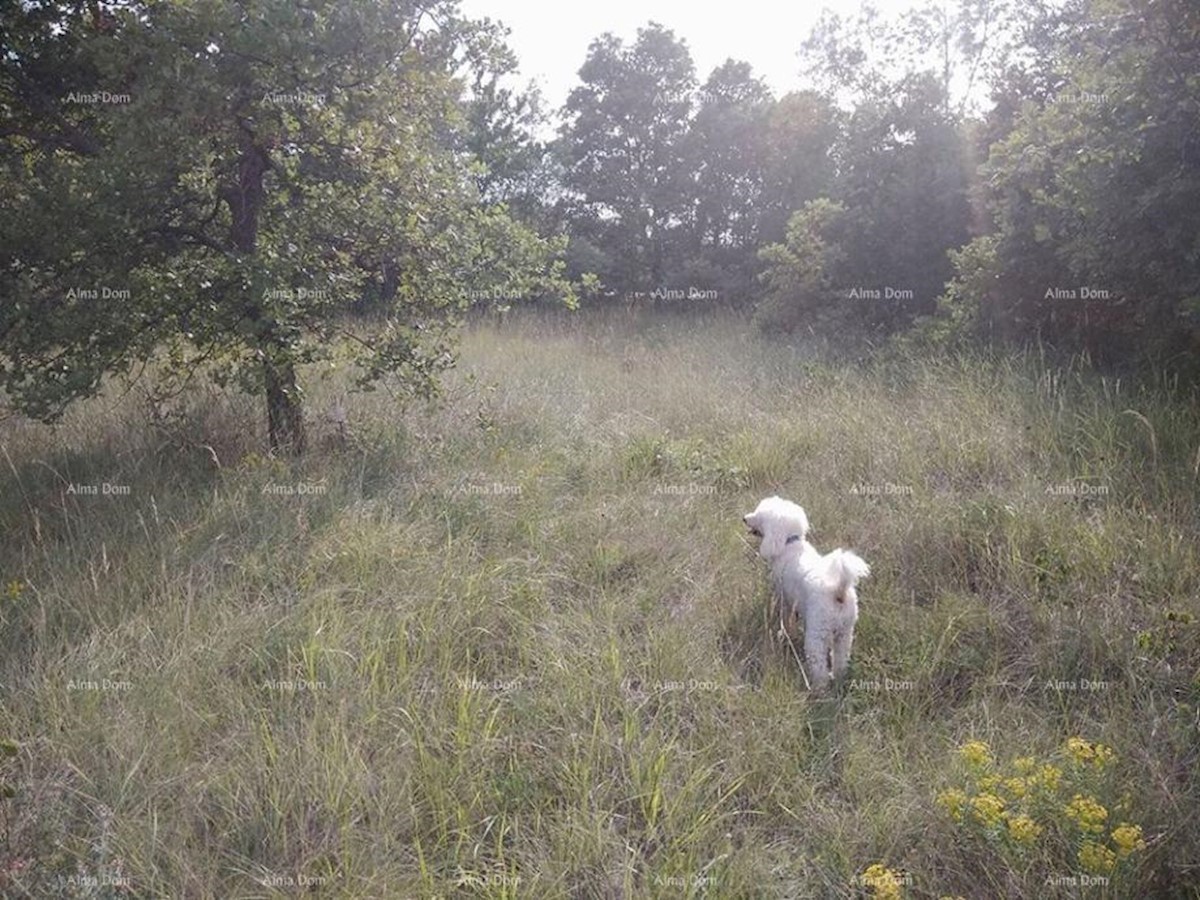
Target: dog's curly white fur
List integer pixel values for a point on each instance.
(819, 589)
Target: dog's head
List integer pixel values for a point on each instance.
(779, 523)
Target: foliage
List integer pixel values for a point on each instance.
(236, 177)
(512, 165)
(903, 169)
(724, 151)
(803, 274)
(1094, 188)
(622, 150)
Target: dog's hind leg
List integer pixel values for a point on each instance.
(841, 653)
(816, 658)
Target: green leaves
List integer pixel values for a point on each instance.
(803, 272)
(270, 168)
(1095, 189)
(622, 149)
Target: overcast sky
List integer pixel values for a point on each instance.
(551, 39)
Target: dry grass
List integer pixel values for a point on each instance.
(515, 645)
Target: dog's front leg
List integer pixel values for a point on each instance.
(789, 622)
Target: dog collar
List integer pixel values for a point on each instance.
(792, 538)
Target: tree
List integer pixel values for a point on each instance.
(804, 273)
(226, 181)
(960, 45)
(904, 177)
(1095, 189)
(622, 147)
(798, 164)
(512, 164)
(902, 160)
(724, 153)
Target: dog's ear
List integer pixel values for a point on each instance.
(800, 523)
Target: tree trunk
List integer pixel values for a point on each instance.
(285, 412)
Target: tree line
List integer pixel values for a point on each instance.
(218, 185)
(981, 171)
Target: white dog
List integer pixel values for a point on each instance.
(820, 589)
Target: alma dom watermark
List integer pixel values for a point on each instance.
(684, 490)
(483, 488)
(1079, 880)
(685, 881)
(103, 489)
(84, 884)
(294, 98)
(691, 292)
(882, 685)
(98, 97)
(886, 489)
(98, 293)
(887, 292)
(299, 489)
(294, 294)
(1077, 489)
(1082, 685)
(1082, 292)
(104, 684)
(293, 685)
(280, 880)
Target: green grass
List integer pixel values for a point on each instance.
(517, 644)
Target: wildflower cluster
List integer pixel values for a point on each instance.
(1054, 803)
(884, 883)
(1088, 815)
(996, 798)
(1086, 753)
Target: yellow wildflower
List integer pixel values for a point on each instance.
(990, 783)
(1102, 755)
(987, 808)
(1079, 749)
(1086, 813)
(1016, 787)
(1128, 839)
(1023, 830)
(1096, 858)
(1084, 752)
(1024, 765)
(14, 589)
(976, 753)
(885, 883)
(1048, 777)
(953, 802)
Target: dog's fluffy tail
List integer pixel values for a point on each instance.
(845, 568)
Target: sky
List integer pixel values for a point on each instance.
(551, 39)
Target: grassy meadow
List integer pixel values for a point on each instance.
(517, 644)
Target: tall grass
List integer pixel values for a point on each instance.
(516, 644)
